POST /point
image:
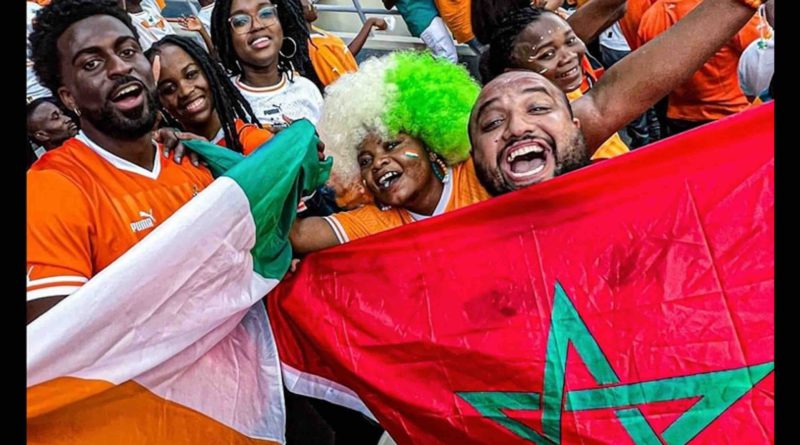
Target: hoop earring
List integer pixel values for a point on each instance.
(294, 50)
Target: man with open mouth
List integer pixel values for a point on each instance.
(543, 42)
(105, 189)
(523, 128)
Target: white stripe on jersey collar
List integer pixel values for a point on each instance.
(120, 163)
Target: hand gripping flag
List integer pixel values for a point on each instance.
(170, 344)
(630, 302)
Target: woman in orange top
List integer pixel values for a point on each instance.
(398, 129)
(198, 97)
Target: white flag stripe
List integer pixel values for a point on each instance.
(311, 385)
(151, 310)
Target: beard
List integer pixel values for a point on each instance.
(128, 125)
(571, 156)
(574, 155)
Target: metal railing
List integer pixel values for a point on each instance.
(356, 8)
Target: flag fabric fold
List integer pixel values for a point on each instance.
(630, 302)
(171, 343)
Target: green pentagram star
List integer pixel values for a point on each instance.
(717, 390)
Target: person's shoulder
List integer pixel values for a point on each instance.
(66, 158)
(317, 32)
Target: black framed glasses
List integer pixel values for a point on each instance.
(243, 23)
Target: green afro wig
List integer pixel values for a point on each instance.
(408, 92)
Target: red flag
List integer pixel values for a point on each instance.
(630, 302)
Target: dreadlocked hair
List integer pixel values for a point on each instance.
(503, 39)
(228, 100)
(52, 21)
(293, 23)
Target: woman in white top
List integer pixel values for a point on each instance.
(263, 44)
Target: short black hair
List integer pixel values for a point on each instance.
(294, 25)
(228, 100)
(34, 104)
(504, 37)
(52, 20)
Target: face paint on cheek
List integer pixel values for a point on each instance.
(411, 155)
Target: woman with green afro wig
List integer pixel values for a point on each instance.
(397, 132)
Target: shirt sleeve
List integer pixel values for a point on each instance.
(365, 221)
(59, 256)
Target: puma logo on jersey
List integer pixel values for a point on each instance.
(147, 221)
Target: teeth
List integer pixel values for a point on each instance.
(386, 177)
(523, 151)
(568, 73)
(259, 40)
(195, 104)
(127, 90)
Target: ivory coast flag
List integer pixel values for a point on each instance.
(171, 344)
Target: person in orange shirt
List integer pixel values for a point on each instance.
(398, 128)
(713, 91)
(542, 41)
(328, 53)
(198, 96)
(100, 193)
(522, 108)
(629, 23)
(457, 15)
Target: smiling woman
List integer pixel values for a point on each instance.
(543, 42)
(195, 92)
(264, 45)
(397, 130)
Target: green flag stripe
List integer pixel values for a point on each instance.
(273, 178)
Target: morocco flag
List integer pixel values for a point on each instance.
(630, 302)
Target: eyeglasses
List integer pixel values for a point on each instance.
(243, 23)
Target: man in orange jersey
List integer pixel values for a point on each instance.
(107, 188)
(713, 91)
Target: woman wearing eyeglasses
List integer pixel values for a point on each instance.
(264, 45)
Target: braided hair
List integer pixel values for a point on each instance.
(229, 103)
(293, 23)
(52, 21)
(503, 39)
